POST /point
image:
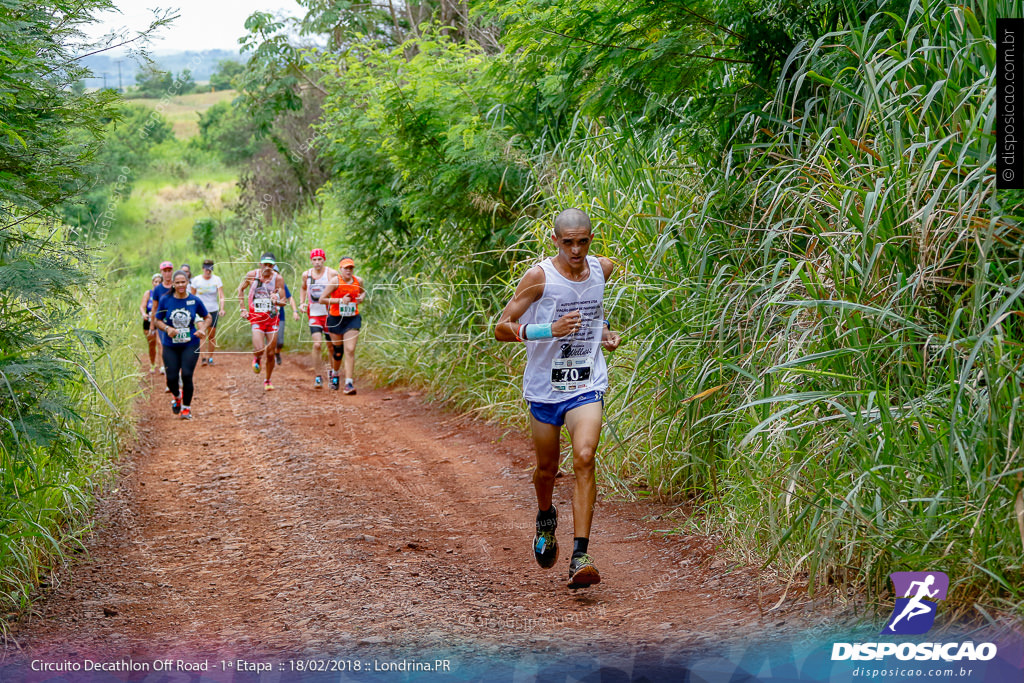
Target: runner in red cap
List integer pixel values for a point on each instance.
(344, 321)
(265, 295)
(314, 285)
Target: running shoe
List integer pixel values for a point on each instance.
(277, 358)
(186, 413)
(335, 383)
(582, 572)
(318, 383)
(545, 547)
(349, 387)
(256, 365)
(209, 361)
(152, 369)
(267, 386)
(162, 370)
(176, 405)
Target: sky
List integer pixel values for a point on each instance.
(202, 24)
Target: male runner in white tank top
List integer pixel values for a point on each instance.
(558, 310)
(314, 286)
(265, 296)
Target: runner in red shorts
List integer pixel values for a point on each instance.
(314, 286)
(263, 290)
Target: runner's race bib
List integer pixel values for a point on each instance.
(262, 305)
(182, 335)
(347, 310)
(570, 374)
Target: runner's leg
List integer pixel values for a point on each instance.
(172, 361)
(545, 445)
(212, 343)
(271, 338)
(584, 425)
(259, 342)
(318, 353)
(336, 342)
(189, 359)
(351, 336)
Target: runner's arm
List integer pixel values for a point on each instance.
(220, 297)
(158, 319)
(529, 290)
(145, 300)
(332, 284)
(240, 293)
(609, 340)
(304, 292)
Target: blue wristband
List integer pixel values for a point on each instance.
(538, 331)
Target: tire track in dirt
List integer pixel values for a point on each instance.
(309, 522)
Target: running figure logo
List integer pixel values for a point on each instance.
(914, 613)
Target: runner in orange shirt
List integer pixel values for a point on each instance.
(344, 321)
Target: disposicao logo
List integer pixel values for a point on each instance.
(914, 614)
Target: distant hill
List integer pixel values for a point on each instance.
(104, 67)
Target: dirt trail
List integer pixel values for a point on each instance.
(311, 523)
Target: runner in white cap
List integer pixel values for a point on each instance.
(260, 294)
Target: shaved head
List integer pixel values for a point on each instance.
(571, 218)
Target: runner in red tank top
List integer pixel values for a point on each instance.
(260, 295)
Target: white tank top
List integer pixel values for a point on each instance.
(561, 368)
(315, 289)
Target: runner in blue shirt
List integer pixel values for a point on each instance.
(175, 317)
(158, 291)
(146, 309)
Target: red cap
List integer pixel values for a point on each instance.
(166, 264)
(317, 252)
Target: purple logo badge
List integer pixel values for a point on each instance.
(918, 594)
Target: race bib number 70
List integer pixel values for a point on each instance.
(570, 374)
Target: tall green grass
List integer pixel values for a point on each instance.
(66, 395)
(822, 337)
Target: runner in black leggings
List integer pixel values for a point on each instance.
(176, 316)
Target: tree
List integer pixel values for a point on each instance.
(50, 132)
(153, 82)
(227, 131)
(223, 77)
(129, 138)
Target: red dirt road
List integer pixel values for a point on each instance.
(302, 523)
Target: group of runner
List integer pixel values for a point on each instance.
(184, 312)
(557, 310)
